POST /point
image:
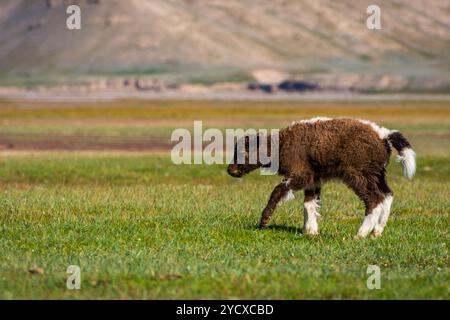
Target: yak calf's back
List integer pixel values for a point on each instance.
(334, 148)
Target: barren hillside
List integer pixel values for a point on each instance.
(224, 38)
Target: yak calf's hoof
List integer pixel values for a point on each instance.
(262, 226)
(310, 231)
(375, 234)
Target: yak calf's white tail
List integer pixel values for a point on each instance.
(406, 155)
(407, 158)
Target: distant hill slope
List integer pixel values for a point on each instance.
(224, 37)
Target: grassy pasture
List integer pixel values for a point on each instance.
(142, 227)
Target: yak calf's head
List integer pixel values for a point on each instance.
(246, 156)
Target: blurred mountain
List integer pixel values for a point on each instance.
(224, 40)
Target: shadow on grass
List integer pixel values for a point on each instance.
(278, 227)
(289, 229)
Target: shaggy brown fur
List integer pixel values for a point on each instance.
(311, 153)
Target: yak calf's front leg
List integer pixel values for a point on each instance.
(277, 195)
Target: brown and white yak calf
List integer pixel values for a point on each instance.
(314, 151)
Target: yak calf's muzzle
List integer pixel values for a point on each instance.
(234, 171)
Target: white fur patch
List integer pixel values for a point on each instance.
(382, 132)
(407, 158)
(313, 207)
(370, 221)
(384, 216)
(288, 197)
(310, 211)
(312, 120)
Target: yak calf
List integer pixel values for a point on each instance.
(314, 151)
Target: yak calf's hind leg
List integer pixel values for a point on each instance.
(370, 221)
(386, 206)
(373, 200)
(384, 216)
(310, 211)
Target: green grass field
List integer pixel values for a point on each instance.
(141, 227)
